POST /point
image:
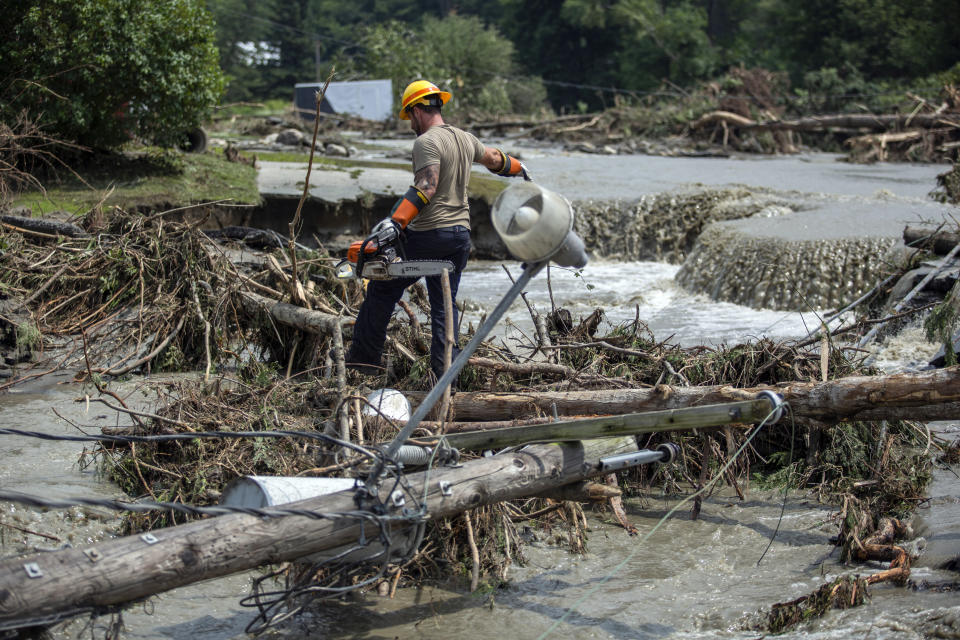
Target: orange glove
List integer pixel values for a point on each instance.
(384, 234)
(511, 167)
(408, 206)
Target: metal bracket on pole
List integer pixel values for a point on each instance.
(664, 453)
(776, 404)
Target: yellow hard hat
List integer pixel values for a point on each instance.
(419, 92)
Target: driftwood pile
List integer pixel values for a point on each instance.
(754, 112)
(756, 119)
(138, 293)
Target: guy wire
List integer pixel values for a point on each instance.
(786, 490)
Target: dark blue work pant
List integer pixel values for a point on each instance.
(370, 331)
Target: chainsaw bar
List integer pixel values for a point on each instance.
(374, 269)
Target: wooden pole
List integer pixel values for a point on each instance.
(447, 343)
(749, 412)
(926, 395)
(121, 570)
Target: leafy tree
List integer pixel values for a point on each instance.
(458, 52)
(584, 48)
(666, 37)
(880, 38)
(553, 42)
(98, 71)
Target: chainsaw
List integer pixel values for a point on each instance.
(380, 257)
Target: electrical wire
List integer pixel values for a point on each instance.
(147, 506)
(341, 573)
(204, 435)
(786, 488)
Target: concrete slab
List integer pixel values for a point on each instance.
(834, 219)
(331, 185)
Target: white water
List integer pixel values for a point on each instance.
(626, 291)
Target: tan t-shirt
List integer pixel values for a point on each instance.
(455, 151)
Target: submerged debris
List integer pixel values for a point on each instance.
(843, 593)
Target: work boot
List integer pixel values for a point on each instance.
(361, 364)
(365, 368)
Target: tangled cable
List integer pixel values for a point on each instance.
(347, 569)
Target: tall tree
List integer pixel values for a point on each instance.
(98, 71)
(880, 38)
(575, 54)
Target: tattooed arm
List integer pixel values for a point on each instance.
(427, 179)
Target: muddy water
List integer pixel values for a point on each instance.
(688, 580)
(50, 469)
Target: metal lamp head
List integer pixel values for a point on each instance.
(537, 224)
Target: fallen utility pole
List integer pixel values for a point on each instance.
(47, 587)
(767, 406)
(927, 395)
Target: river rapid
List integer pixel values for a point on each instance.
(688, 579)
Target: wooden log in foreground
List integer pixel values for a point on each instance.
(293, 315)
(125, 569)
(924, 396)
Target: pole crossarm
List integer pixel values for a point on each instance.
(716, 415)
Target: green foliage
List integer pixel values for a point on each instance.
(829, 90)
(257, 372)
(172, 359)
(99, 71)
(948, 186)
(677, 31)
(492, 55)
(455, 52)
(881, 38)
(155, 178)
(28, 337)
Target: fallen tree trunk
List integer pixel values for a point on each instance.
(940, 242)
(126, 569)
(44, 227)
(928, 395)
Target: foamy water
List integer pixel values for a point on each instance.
(626, 291)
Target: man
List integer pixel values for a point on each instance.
(435, 215)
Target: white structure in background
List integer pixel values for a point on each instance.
(258, 54)
(369, 99)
